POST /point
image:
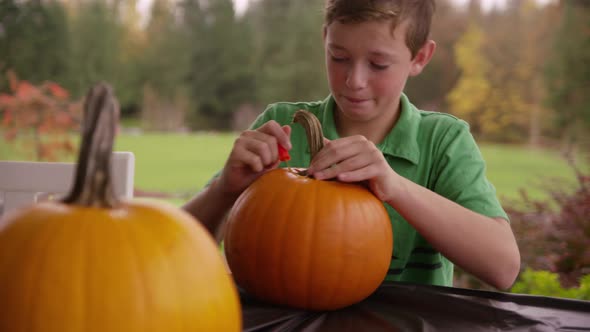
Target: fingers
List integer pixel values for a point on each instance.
(258, 149)
(359, 165)
(349, 159)
(337, 151)
(282, 135)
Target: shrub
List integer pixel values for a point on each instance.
(554, 234)
(41, 117)
(547, 284)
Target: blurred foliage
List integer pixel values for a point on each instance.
(546, 283)
(41, 117)
(554, 234)
(202, 65)
(500, 89)
(34, 41)
(568, 73)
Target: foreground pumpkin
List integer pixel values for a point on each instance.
(297, 241)
(93, 263)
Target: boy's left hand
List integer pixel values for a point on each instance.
(355, 159)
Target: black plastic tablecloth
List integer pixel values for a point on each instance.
(409, 307)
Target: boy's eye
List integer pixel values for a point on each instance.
(338, 59)
(379, 66)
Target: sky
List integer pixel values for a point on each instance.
(241, 5)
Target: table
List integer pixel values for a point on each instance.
(409, 307)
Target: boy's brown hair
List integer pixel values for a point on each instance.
(418, 13)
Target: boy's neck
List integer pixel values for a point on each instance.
(375, 130)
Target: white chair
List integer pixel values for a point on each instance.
(23, 182)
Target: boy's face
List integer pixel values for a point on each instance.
(368, 67)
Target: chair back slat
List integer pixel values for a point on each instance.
(21, 182)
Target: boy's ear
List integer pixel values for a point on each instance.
(422, 57)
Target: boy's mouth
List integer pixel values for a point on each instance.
(355, 100)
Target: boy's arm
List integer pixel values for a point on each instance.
(211, 205)
(481, 245)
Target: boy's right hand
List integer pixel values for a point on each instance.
(254, 153)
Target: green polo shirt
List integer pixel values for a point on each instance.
(432, 149)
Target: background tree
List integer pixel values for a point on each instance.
(429, 89)
(469, 97)
(164, 70)
(220, 72)
(568, 73)
(289, 56)
(95, 44)
(33, 41)
(134, 42)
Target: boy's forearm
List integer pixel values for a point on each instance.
(210, 207)
(483, 246)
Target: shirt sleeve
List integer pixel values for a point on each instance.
(461, 173)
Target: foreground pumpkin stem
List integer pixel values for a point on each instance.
(313, 130)
(93, 182)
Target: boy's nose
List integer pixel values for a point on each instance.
(356, 78)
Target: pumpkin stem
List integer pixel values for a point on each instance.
(313, 130)
(93, 183)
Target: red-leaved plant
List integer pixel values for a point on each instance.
(39, 118)
(554, 234)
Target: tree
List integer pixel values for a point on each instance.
(164, 69)
(510, 49)
(429, 89)
(33, 40)
(568, 73)
(95, 46)
(220, 74)
(133, 47)
(288, 49)
(468, 99)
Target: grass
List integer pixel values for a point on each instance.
(182, 164)
(176, 163)
(512, 168)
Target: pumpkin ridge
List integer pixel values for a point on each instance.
(342, 262)
(86, 275)
(366, 224)
(12, 263)
(38, 280)
(93, 251)
(7, 263)
(269, 210)
(171, 274)
(256, 248)
(283, 282)
(139, 265)
(83, 279)
(310, 258)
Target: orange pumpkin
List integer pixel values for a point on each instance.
(93, 263)
(297, 241)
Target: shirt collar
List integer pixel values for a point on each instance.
(402, 140)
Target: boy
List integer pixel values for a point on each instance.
(424, 166)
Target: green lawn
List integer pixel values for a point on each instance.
(512, 168)
(182, 164)
(176, 163)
